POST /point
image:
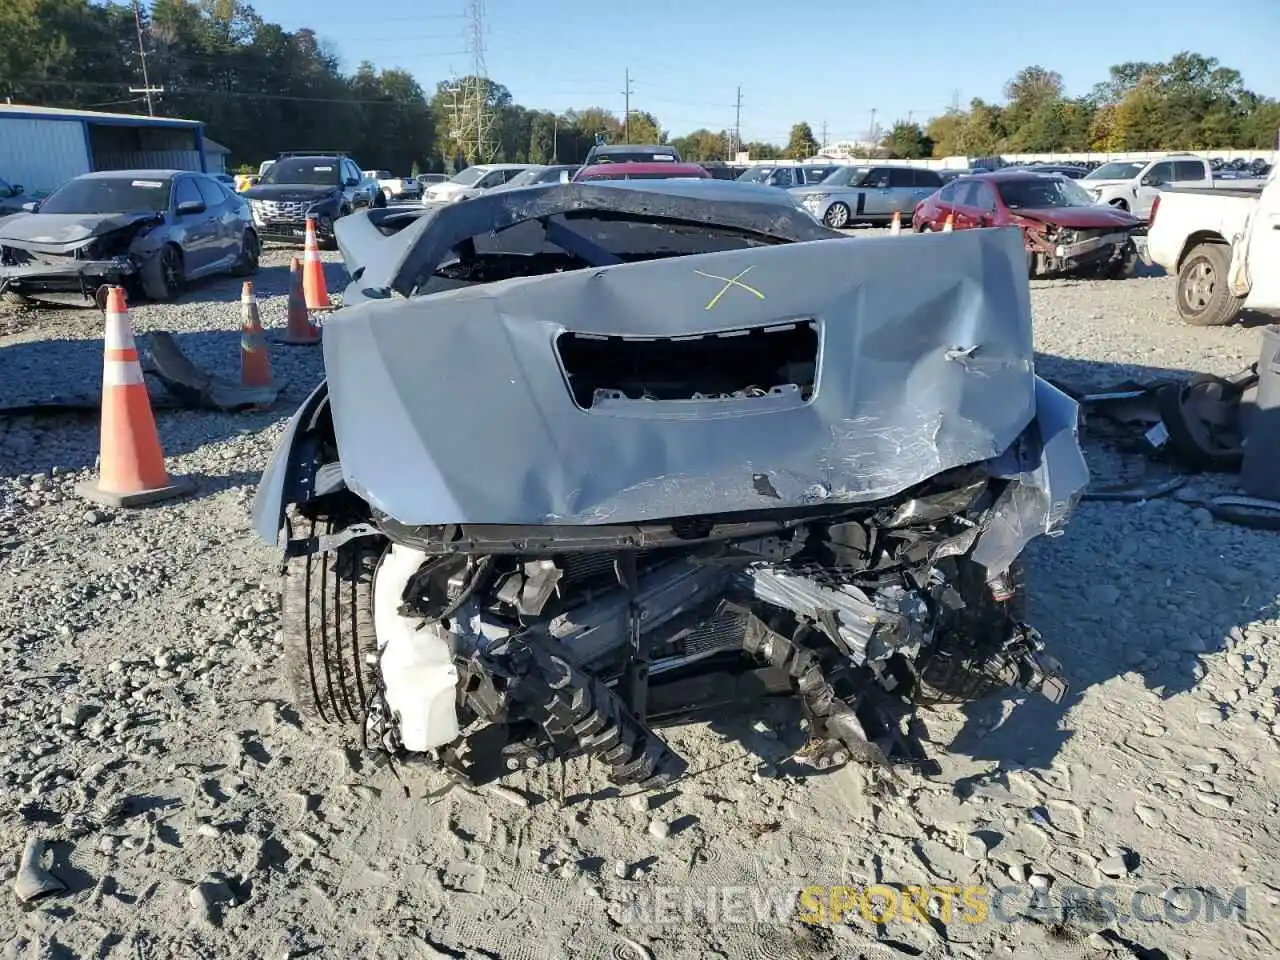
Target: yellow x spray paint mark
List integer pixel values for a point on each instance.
(728, 283)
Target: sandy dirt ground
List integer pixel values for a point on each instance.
(149, 740)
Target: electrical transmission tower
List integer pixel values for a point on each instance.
(475, 120)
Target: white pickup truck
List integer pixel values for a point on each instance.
(395, 188)
(1224, 247)
(1133, 184)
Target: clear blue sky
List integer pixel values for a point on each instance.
(824, 62)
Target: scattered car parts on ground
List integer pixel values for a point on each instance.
(656, 481)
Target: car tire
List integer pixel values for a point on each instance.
(980, 628)
(837, 216)
(326, 615)
(330, 242)
(246, 264)
(162, 274)
(1121, 269)
(9, 298)
(1202, 297)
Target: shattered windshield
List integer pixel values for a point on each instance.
(1043, 192)
(110, 195)
(1119, 170)
(312, 172)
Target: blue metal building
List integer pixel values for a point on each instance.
(42, 147)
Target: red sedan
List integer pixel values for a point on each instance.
(1066, 231)
(640, 170)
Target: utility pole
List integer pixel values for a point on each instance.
(626, 109)
(146, 89)
(824, 134)
(910, 116)
(872, 135)
(737, 127)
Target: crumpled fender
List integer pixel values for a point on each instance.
(289, 475)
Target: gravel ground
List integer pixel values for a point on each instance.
(148, 736)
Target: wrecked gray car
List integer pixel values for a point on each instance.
(148, 230)
(592, 457)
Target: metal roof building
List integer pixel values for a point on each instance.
(42, 147)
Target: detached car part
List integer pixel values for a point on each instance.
(582, 447)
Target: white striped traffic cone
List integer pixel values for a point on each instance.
(131, 467)
(313, 285)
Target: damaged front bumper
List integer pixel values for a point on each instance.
(74, 277)
(1066, 252)
(821, 491)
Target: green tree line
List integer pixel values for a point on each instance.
(261, 89)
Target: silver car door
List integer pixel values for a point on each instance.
(226, 234)
(902, 191)
(195, 231)
(927, 183)
(875, 198)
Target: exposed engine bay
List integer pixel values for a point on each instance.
(1057, 251)
(553, 495)
(79, 264)
(858, 616)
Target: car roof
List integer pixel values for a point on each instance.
(131, 174)
(505, 166)
(647, 166)
(1013, 175)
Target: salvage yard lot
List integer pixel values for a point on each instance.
(149, 736)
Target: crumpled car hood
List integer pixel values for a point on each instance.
(65, 229)
(454, 408)
(1101, 217)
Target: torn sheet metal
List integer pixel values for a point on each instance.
(186, 385)
(455, 408)
(1050, 481)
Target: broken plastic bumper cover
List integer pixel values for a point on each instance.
(71, 277)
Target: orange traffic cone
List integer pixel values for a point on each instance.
(313, 285)
(300, 331)
(895, 227)
(255, 362)
(131, 464)
(949, 224)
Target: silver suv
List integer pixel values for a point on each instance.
(867, 194)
